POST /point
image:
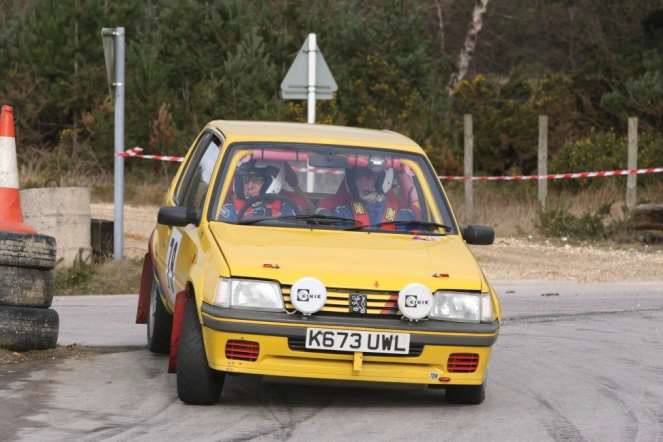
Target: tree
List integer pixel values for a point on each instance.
(471, 38)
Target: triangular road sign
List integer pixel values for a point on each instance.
(108, 39)
(294, 85)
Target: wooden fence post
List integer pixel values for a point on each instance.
(632, 179)
(469, 166)
(543, 159)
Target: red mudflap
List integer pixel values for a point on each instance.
(145, 288)
(178, 317)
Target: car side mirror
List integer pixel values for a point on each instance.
(479, 235)
(177, 216)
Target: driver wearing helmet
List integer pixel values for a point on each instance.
(255, 194)
(367, 197)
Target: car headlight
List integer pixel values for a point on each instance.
(248, 293)
(462, 307)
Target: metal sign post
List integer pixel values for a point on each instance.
(312, 50)
(113, 39)
(310, 79)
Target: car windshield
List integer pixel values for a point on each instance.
(313, 186)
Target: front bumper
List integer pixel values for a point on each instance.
(280, 337)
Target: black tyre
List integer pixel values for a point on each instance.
(21, 286)
(197, 384)
(27, 328)
(159, 322)
(27, 250)
(465, 394)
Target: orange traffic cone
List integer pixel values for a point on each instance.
(11, 217)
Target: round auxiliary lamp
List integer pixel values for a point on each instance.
(415, 301)
(308, 295)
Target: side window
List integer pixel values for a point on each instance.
(198, 175)
(188, 171)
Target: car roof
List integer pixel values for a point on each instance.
(313, 133)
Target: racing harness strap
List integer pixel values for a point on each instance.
(274, 207)
(359, 213)
(389, 214)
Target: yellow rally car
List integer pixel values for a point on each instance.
(315, 251)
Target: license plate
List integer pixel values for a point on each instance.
(357, 341)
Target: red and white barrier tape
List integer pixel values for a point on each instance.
(319, 170)
(557, 176)
(136, 153)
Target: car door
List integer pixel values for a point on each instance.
(179, 245)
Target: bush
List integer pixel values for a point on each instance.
(79, 274)
(606, 151)
(110, 277)
(559, 222)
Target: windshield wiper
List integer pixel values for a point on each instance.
(311, 219)
(408, 223)
(316, 218)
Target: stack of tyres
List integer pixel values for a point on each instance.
(26, 292)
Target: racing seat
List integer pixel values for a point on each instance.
(304, 206)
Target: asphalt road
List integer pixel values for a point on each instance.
(573, 362)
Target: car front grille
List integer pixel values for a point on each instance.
(379, 303)
(299, 344)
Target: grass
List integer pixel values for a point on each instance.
(512, 209)
(142, 185)
(559, 222)
(108, 277)
(138, 191)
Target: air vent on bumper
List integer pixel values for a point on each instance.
(242, 350)
(462, 362)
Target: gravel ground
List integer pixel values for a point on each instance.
(13, 361)
(507, 259)
(515, 258)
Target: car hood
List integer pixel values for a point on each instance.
(342, 259)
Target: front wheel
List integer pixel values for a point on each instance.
(159, 322)
(465, 394)
(197, 384)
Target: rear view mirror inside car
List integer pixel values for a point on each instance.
(329, 160)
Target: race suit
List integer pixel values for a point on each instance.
(230, 211)
(367, 212)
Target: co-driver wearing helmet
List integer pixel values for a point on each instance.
(368, 197)
(249, 185)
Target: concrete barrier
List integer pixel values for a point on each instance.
(62, 212)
